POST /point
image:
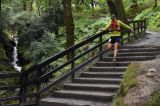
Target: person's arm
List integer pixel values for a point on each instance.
(107, 27)
(125, 25)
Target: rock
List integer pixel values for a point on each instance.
(151, 73)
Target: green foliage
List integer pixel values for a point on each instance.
(87, 27)
(154, 100)
(153, 18)
(144, 10)
(128, 82)
(43, 48)
(20, 20)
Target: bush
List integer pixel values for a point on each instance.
(152, 16)
(43, 48)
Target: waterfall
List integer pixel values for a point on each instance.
(15, 56)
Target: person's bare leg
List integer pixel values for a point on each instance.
(110, 46)
(116, 46)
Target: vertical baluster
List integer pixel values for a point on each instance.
(122, 37)
(138, 26)
(21, 87)
(100, 49)
(72, 65)
(128, 36)
(38, 85)
(145, 24)
(134, 32)
(142, 27)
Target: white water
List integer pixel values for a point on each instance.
(15, 59)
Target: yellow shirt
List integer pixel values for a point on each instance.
(117, 33)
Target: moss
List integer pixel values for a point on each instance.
(128, 82)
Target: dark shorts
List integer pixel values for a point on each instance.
(115, 39)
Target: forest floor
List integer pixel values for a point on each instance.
(146, 86)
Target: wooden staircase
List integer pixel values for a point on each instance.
(97, 86)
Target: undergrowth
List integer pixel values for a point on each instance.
(128, 82)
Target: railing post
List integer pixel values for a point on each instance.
(134, 32)
(38, 85)
(141, 26)
(122, 38)
(72, 64)
(145, 26)
(100, 49)
(138, 28)
(21, 88)
(129, 36)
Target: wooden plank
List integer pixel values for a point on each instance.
(12, 87)
(9, 75)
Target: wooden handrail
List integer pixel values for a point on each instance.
(9, 75)
(24, 82)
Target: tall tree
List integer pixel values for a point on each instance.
(116, 7)
(121, 14)
(69, 25)
(111, 6)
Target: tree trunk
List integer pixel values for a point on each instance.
(111, 7)
(116, 7)
(121, 14)
(69, 25)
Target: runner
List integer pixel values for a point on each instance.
(115, 28)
